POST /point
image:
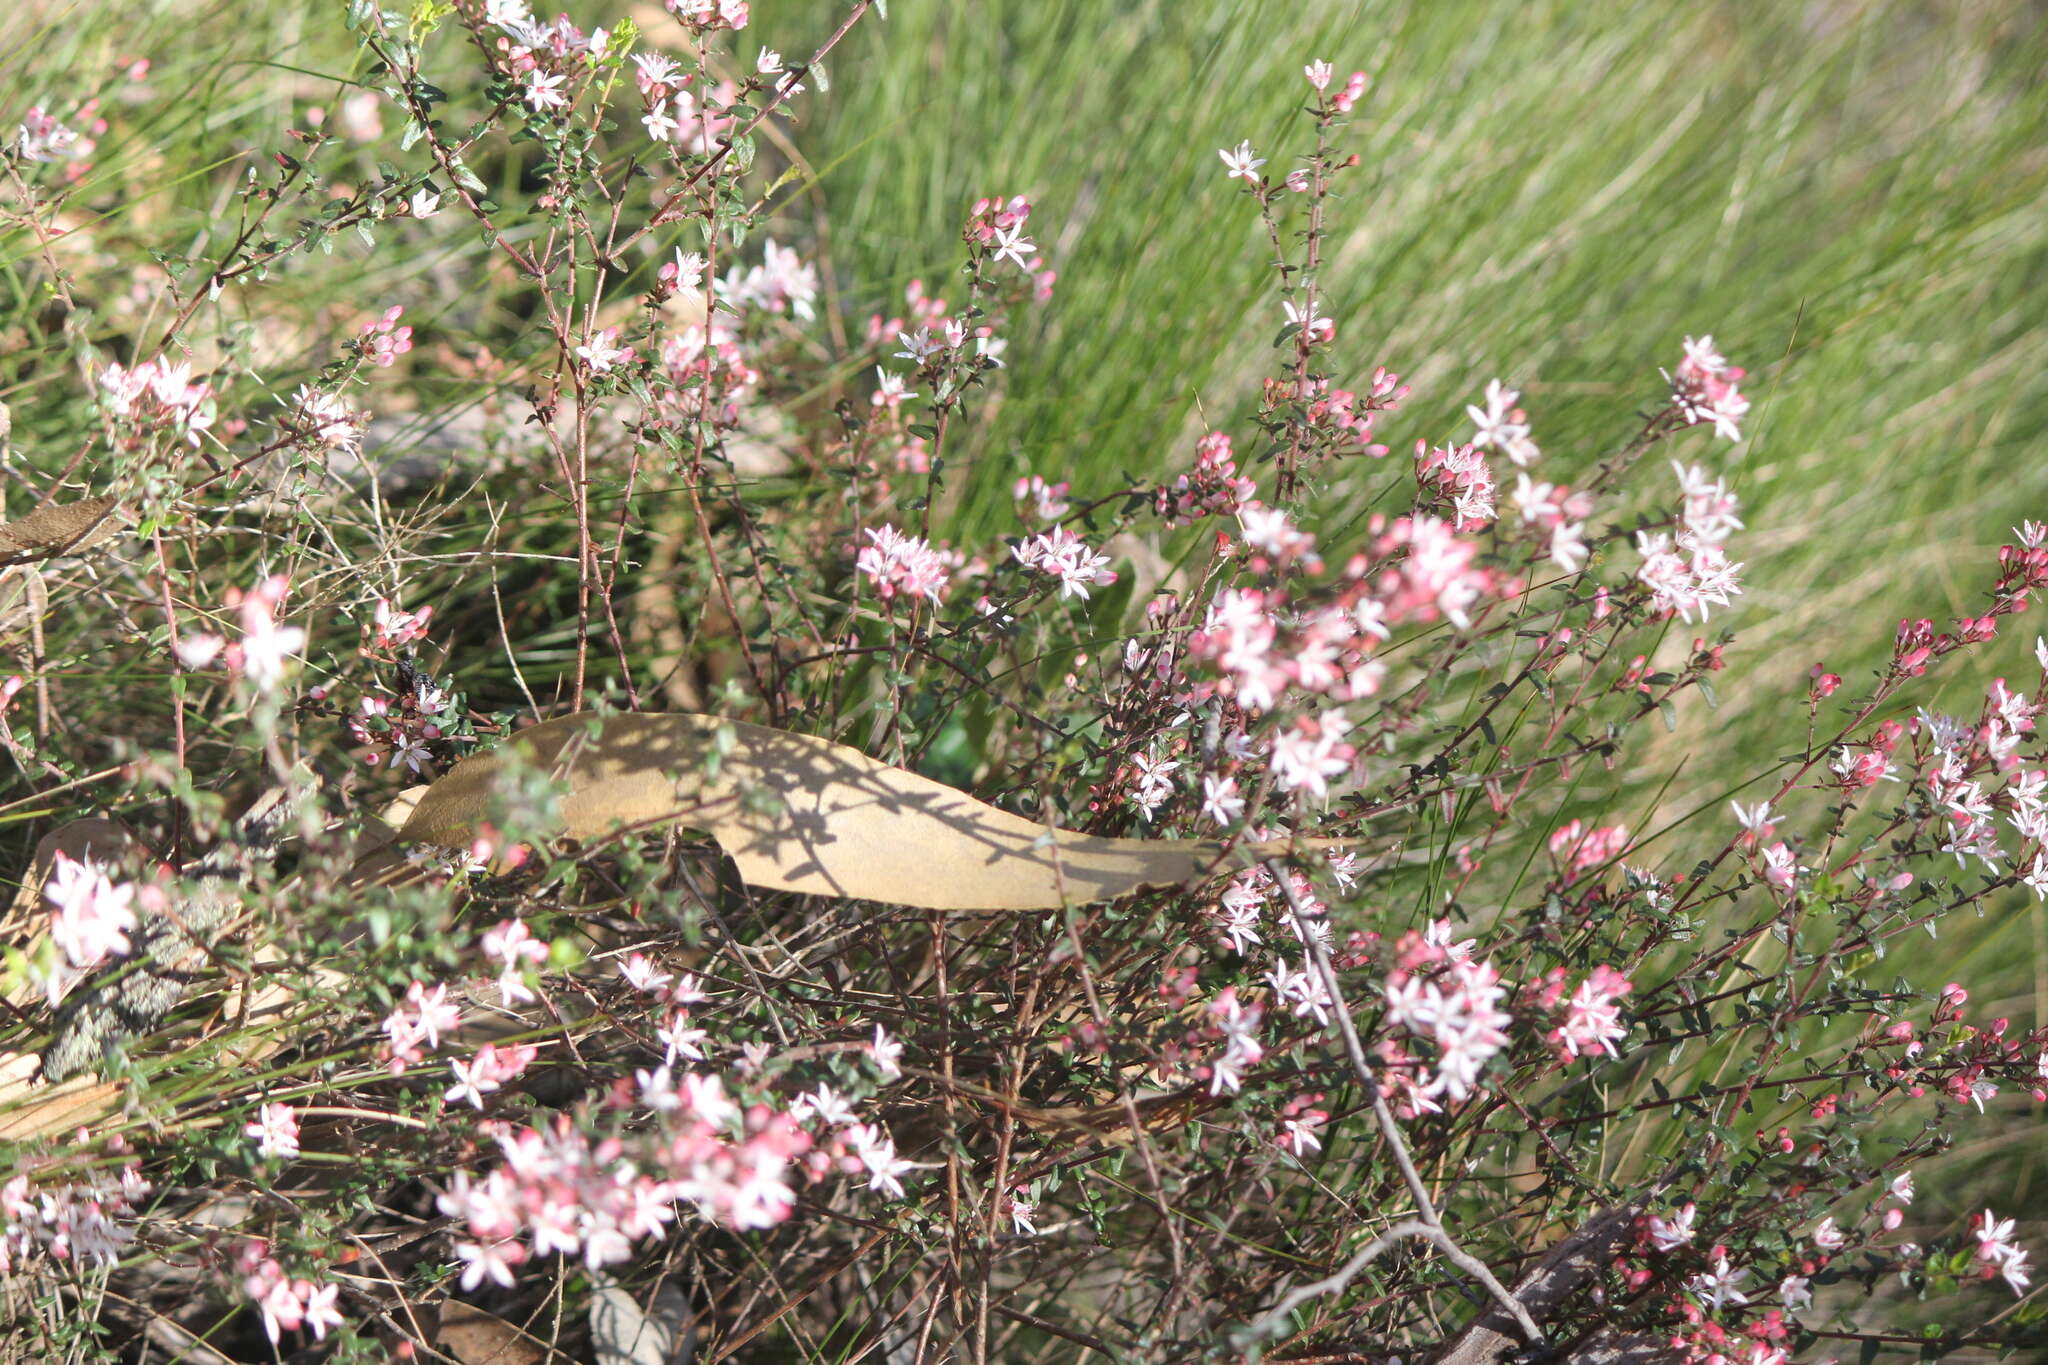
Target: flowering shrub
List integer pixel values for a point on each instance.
(1444, 1055)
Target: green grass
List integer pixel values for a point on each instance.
(1847, 196)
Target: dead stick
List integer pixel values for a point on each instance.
(1426, 1224)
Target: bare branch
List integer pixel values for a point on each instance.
(1427, 1224)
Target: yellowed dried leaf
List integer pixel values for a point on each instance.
(476, 1337)
(95, 837)
(58, 528)
(836, 822)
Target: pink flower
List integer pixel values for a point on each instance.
(395, 628)
(1674, 1232)
(91, 915)
(494, 1262)
(1460, 1012)
(1308, 755)
(544, 91)
(1048, 501)
(704, 1096)
(601, 354)
(896, 563)
(1268, 530)
(1703, 388)
(643, 976)
(783, 282)
(1755, 821)
(1502, 425)
(1344, 99)
(282, 1309)
(1240, 164)
(42, 138)
(885, 1052)
(330, 422)
(1317, 329)
(432, 1011)
(1998, 1253)
(1299, 1120)
(1593, 1015)
(1062, 554)
(317, 1308)
(1781, 867)
(877, 1153)
(486, 1072)
(1238, 1025)
(512, 943)
(1011, 244)
(276, 1131)
(384, 340)
(158, 394)
(1220, 802)
(1716, 1289)
(287, 1305)
(1685, 577)
(1585, 849)
(266, 645)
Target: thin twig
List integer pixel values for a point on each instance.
(1427, 1224)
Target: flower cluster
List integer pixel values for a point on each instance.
(287, 1304)
(158, 395)
(422, 1019)
(896, 563)
(71, 1223)
(1454, 1005)
(42, 137)
(783, 282)
(996, 226)
(1455, 480)
(709, 16)
(1690, 572)
(265, 647)
(275, 1131)
(324, 421)
(1040, 500)
(555, 1190)
(383, 339)
(1592, 1015)
(1213, 488)
(1065, 556)
(1321, 73)
(1503, 426)
(91, 916)
(1704, 389)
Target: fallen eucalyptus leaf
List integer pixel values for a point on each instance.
(105, 841)
(797, 813)
(476, 1337)
(621, 1333)
(58, 528)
